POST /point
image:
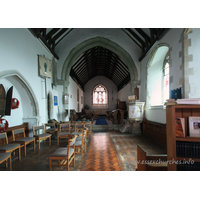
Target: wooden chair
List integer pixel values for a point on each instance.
(6, 157)
(24, 140)
(84, 139)
(88, 125)
(72, 128)
(63, 131)
(79, 126)
(51, 128)
(150, 162)
(40, 134)
(81, 143)
(64, 156)
(6, 148)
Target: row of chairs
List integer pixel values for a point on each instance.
(44, 132)
(76, 134)
(65, 155)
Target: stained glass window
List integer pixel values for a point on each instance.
(100, 95)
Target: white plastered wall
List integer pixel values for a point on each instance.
(18, 51)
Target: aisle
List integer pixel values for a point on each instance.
(101, 155)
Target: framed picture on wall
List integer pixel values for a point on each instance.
(136, 111)
(44, 67)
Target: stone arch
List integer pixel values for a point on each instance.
(24, 83)
(154, 51)
(106, 43)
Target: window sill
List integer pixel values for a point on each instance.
(158, 107)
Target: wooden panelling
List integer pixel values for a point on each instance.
(155, 131)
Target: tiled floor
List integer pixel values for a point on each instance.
(106, 151)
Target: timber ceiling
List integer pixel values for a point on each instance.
(98, 60)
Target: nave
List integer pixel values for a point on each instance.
(106, 151)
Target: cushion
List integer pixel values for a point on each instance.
(43, 135)
(4, 156)
(9, 147)
(62, 152)
(26, 139)
(64, 133)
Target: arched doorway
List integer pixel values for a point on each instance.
(28, 110)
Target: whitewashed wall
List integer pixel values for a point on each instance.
(73, 103)
(18, 52)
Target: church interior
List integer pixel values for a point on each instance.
(98, 99)
(96, 75)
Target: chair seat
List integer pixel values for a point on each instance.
(62, 152)
(63, 133)
(8, 147)
(78, 143)
(79, 138)
(26, 139)
(3, 156)
(43, 135)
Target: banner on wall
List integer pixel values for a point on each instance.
(44, 67)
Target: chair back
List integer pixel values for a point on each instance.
(37, 130)
(18, 131)
(88, 125)
(65, 127)
(71, 142)
(72, 129)
(79, 126)
(49, 126)
(4, 136)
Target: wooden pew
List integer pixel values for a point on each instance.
(150, 162)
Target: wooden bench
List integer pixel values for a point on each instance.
(150, 162)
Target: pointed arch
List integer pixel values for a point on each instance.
(22, 80)
(106, 43)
